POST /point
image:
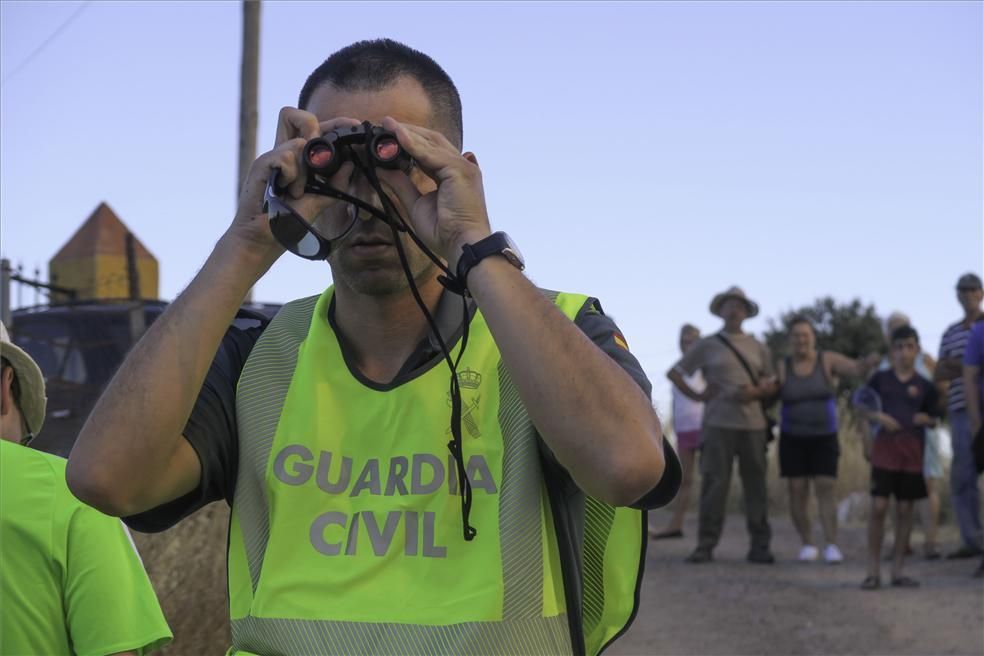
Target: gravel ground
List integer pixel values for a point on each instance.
(733, 607)
(727, 607)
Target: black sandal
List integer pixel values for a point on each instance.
(905, 582)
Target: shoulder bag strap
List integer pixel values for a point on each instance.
(751, 374)
(741, 359)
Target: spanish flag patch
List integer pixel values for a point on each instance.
(620, 341)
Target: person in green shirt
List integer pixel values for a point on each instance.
(72, 582)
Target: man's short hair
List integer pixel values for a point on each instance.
(376, 64)
(15, 385)
(969, 281)
(904, 332)
(689, 329)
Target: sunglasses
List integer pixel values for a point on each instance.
(968, 289)
(300, 236)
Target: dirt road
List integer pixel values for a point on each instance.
(733, 607)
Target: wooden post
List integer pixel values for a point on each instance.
(249, 82)
(5, 313)
(132, 275)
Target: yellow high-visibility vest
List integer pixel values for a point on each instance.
(346, 534)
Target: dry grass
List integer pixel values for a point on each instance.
(187, 567)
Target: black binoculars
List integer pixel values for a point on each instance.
(325, 154)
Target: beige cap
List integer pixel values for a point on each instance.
(29, 379)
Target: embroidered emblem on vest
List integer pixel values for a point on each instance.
(469, 379)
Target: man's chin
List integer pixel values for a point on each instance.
(381, 277)
(374, 282)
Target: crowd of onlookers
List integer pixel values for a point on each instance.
(726, 385)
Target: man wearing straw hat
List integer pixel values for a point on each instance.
(740, 375)
(72, 582)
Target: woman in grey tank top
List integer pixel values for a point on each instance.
(808, 446)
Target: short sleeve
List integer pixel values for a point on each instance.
(110, 605)
(213, 434)
(603, 331)
(974, 353)
(693, 359)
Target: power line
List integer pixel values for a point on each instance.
(44, 43)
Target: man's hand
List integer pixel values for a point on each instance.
(923, 419)
(746, 393)
(766, 388)
(948, 369)
(295, 128)
(869, 362)
(450, 214)
(887, 422)
(709, 392)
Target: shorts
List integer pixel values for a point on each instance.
(688, 440)
(932, 463)
(808, 456)
(903, 485)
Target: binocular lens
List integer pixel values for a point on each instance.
(387, 149)
(320, 156)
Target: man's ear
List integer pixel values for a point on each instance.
(6, 391)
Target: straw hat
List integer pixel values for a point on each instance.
(733, 292)
(29, 379)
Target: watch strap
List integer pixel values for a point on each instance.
(471, 255)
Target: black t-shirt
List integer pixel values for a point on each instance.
(212, 431)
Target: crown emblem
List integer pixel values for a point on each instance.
(469, 379)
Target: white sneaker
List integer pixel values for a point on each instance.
(809, 552)
(832, 554)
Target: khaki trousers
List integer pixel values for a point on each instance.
(718, 451)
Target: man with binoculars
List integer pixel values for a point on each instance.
(354, 525)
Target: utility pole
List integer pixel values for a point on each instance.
(138, 321)
(132, 275)
(249, 82)
(5, 314)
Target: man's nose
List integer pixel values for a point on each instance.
(360, 188)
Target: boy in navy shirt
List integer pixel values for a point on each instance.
(910, 403)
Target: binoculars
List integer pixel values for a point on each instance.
(325, 154)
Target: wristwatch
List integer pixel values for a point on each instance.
(498, 243)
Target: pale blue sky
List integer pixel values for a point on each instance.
(648, 154)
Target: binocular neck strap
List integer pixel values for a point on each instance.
(455, 445)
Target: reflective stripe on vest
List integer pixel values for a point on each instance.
(346, 510)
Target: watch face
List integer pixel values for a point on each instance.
(514, 258)
(511, 253)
